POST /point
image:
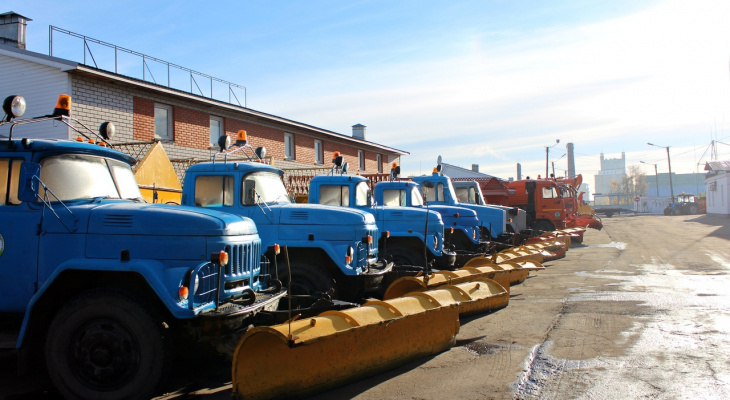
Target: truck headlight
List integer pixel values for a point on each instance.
(435, 242)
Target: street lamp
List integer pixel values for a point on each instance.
(547, 155)
(669, 162)
(656, 175)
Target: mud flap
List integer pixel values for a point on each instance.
(337, 347)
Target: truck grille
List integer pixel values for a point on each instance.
(242, 260)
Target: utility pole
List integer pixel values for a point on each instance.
(547, 156)
(669, 162)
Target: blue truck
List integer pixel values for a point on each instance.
(493, 222)
(415, 237)
(469, 192)
(331, 249)
(461, 226)
(98, 284)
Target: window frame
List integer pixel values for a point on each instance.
(379, 158)
(289, 152)
(318, 152)
(361, 160)
(222, 132)
(170, 133)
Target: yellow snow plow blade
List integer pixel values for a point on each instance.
(341, 346)
(477, 296)
(501, 276)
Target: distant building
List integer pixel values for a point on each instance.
(612, 169)
(452, 171)
(717, 180)
(681, 183)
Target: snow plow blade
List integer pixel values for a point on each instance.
(408, 284)
(475, 293)
(337, 347)
(478, 296)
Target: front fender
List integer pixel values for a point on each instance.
(148, 269)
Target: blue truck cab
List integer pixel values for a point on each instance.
(469, 192)
(461, 226)
(410, 231)
(438, 189)
(328, 247)
(97, 282)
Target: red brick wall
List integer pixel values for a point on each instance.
(271, 138)
(191, 128)
(144, 119)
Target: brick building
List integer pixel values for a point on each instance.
(187, 124)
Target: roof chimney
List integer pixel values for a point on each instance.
(475, 167)
(12, 29)
(358, 131)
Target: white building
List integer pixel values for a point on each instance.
(718, 187)
(612, 169)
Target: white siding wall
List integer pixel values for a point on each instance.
(40, 85)
(718, 200)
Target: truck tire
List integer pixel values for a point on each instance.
(543, 225)
(693, 209)
(106, 345)
(307, 279)
(404, 255)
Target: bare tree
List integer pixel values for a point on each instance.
(631, 185)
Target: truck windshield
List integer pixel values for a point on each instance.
(416, 199)
(269, 187)
(467, 195)
(394, 197)
(362, 194)
(75, 176)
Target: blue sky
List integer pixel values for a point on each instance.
(477, 82)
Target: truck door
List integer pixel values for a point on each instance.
(18, 241)
(551, 203)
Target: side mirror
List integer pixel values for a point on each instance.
(27, 186)
(249, 192)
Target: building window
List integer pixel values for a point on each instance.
(380, 163)
(289, 146)
(361, 159)
(318, 153)
(163, 122)
(216, 129)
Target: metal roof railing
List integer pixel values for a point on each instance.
(147, 74)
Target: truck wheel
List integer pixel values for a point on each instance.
(543, 225)
(403, 255)
(676, 211)
(106, 345)
(307, 279)
(693, 209)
